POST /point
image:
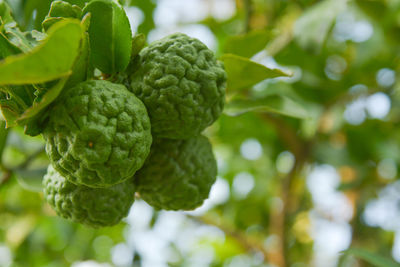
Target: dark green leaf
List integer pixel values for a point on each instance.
(110, 36)
(243, 73)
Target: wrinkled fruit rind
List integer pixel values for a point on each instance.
(181, 84)
(98, 134)
(178, 174)
(94, 207)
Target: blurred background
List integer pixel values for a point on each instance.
(290, 191)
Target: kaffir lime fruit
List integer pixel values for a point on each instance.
(94, 207)
(98, 134)
(178, 174)
(181, 84)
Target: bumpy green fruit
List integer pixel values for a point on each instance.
(178, 174)
(94, 207)
(181, 84)
(98, 134)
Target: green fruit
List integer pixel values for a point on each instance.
(181, 84)
(98, 134)
(94, 207)
(178, 174)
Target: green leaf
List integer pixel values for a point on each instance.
(81, 69)
(60, 10)
(138, 42)
(372, 258)
(247, 45)
(10, 110)
(80, 3)
(272, 103)
(25, 41)
(7, 48)
(34, 13)
(13, 103)
(110, 36)
(5, 13)
(243, 73)
(52, 59)
(3, 137)
(33, 117)
(64, 10)
(312, 27)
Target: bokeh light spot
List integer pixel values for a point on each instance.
(387, 169)
(121, 255)
(5, 256)
(378, 105)
(386, 77)
(251, 149)
(285, 162)
(243, 183)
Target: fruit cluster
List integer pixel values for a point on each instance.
(106, 140)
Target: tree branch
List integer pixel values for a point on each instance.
(300, 148)
(248, 6)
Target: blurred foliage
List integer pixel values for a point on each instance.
(337, 56)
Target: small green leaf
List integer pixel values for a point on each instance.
(247, 45)
(10, 111)
(5, 13)
(272, 103)
(14, 100)
(138, 42)
(7, 48)
(110, 36)
(243, 73)
(33, 117)
(372, 258)
(312, 27)
(19, 39)
(52, 59)
(64, 10)
(60, 10)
